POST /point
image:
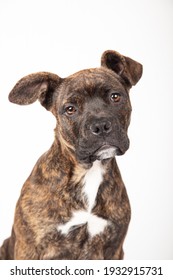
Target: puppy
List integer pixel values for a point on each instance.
(74, 204)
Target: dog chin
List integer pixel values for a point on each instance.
(106, 152)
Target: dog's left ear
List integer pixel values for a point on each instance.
(128, 69)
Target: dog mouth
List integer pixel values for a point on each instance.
(101, 152)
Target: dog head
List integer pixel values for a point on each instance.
(92, 107)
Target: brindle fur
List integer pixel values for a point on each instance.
(54, 189)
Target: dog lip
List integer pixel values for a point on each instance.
(119, 152)
(104, 147)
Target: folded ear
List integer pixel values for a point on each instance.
(35, 86)
(128, 69)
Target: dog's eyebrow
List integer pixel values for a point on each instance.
(74, 96)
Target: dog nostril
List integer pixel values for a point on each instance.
(107, 126)
(95, 129)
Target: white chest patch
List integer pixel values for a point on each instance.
(92, 181)
(95, 224)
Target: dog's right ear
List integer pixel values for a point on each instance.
(35, 86)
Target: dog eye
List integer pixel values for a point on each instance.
(70, 110)
(115, 97)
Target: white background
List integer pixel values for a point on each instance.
(64, 36)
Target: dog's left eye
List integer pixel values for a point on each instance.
(70, 110)
(115, 97)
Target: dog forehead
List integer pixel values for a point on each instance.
(89, 81)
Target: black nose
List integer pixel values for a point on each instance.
(101, 127)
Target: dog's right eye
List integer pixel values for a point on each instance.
(70, 110)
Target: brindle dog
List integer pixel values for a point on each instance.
(74, 204)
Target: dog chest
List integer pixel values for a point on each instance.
(91, 182)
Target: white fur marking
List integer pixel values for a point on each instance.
(96, 225)
(107, 153)
(92, 181)
(78, 218)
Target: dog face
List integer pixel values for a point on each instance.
(92, 107)
(93, 111)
